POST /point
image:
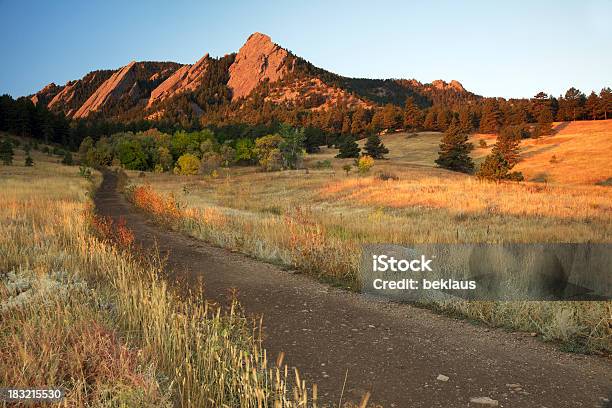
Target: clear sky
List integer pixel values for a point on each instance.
(514, 49)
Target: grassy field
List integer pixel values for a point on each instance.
(316, 219)
(79, 312)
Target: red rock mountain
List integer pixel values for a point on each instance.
(258, 60)
(261, 67)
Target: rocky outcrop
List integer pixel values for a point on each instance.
(185, 79)
(259, 59)
(64, 96)
(128, 87)
(46, 94)
(121, 81)
(443, 85)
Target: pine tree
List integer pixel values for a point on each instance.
(346, 126)
(392, 117)
(491, 117)
(348, 148)
(375, 148)
(443, 120)
(466, 120)
(455, 149)
(592, 106)
(503, 157)
(360, 121)
(574, 100)
(543, 113)
(606, 101)
(413, 119)
(377, 123)
(430, 120)
(508, 144)
(6, 152)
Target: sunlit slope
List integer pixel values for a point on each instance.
(577, 152)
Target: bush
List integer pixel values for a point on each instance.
(364, 164)
(187, 165)
(347, 168)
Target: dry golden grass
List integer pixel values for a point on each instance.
(316, 220)
(576, 153)
(79, 312)
(582, 154)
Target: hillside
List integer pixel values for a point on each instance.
(581, 151)
(261, 75)
(577, 153)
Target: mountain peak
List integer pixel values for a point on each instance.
(259, 38)
(258, 60)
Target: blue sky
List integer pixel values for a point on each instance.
(512, 50)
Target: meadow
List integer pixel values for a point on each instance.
(82, 311)
(316, 219)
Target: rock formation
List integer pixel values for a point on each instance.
(259, 59)
(187, 78)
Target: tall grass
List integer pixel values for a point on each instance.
(318, 226)
(79, 312)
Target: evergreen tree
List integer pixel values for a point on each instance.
(377, 123)
(392, 117)
(454, 150)
(375, 148)
(491, 117)
(466, 120)
(606, 101)
(348, 148)
(430, 120)
(503, 157)
(592, 106)
(543, 114)
(346, 125)
(496, 168)
(413, 119)
(508, 144)
(360, 121)
(443, 119)
(574, 100)
(6, 152)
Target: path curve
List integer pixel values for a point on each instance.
(395, 351)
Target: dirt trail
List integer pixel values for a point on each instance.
(395, 351)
